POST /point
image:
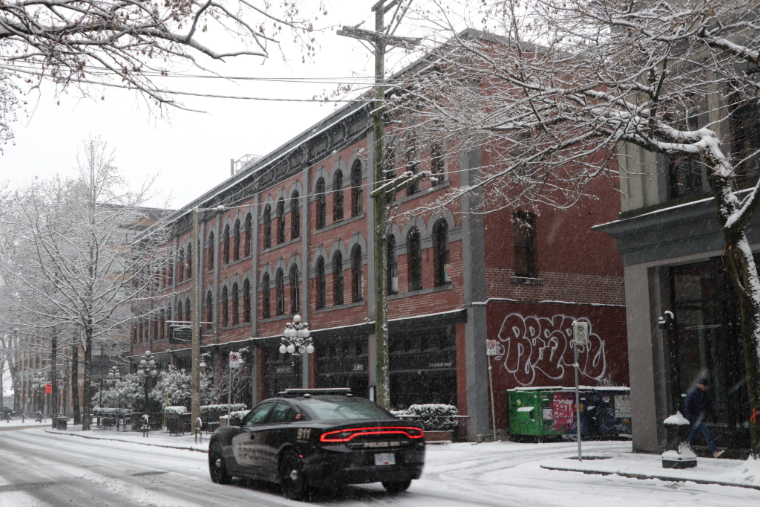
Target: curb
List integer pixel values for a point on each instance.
(54, 432)
(658, 477)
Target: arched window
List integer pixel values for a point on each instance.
(181, 265)
(235, 307)
(189, 261)
(357, 281)
(209, 307)
(281, 221)
(162, 324)
(169, 315)
(438, 163)
(321, 205)
(267, 226)
(392, 265)
(180, 317)
(337, 265)
(247, 243)
(441, 252)
(320, 278)
(265, 301)
(224, 310)
(294, 289)
(338, 196)
(210, 249)
(412, 164)
(414, 259)
(525, 243)
(356, 188)
(188, 310)
(279, 281)
(246, 301)
(295, 216)
(170, 269)
(226, 239)
(154, 326)
(236, 240)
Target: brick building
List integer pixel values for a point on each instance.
(292, 233)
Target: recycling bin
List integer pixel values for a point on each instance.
(61, 423)
(530, 412)
(612, 412)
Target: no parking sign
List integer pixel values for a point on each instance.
(492, 347)
(235, 360)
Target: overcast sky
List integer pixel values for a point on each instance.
(190, 151)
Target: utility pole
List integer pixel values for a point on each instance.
(195, 376)
(380, 39)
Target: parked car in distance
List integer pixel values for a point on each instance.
(320, 438)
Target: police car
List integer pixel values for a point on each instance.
(320, 438)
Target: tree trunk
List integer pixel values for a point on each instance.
(744, 277)
(87, 401)
(54, 378)
(75, 382)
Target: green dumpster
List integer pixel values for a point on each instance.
(530, 411)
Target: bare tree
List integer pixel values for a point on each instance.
(88, 44)
(77, 268)
(558, 85)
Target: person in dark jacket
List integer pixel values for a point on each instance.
(698, 406)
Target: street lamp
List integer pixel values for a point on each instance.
(114, 376)
(146, 370)
(39, 384)
(296, 340)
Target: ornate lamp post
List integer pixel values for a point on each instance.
(296, 340)
(39, 385)
(146, 370)
(114, 376)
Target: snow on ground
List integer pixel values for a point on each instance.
(28, 423)
(36, 461)
(160, 438)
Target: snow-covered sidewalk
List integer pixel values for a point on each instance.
(722, 472)
(155, 438)
(618, 459)
(15, 424)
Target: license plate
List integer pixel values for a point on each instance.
(385, 459)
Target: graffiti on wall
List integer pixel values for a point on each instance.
(529, 345)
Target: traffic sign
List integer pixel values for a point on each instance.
(492, 347)
(60, 385)
(48, 388)
(235, 360)
(580, 333)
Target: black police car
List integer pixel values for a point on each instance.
(318, 437)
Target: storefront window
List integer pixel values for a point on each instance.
(709, 345)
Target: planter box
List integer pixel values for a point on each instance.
(223, 421)
(439, 436)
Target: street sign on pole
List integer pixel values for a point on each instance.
(60, 385)
(181, 334)
(235, 360)
(580, 333)
(491, 348)
(580, 338)
(48, 388)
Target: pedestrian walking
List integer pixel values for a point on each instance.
(698, 406)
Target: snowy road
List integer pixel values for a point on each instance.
(40, 469)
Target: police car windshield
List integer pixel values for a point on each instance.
(332, 408)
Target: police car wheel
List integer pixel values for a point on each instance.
(292, 481)
(216, 467)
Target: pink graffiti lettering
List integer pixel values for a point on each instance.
(563, 412)
(540, 344)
